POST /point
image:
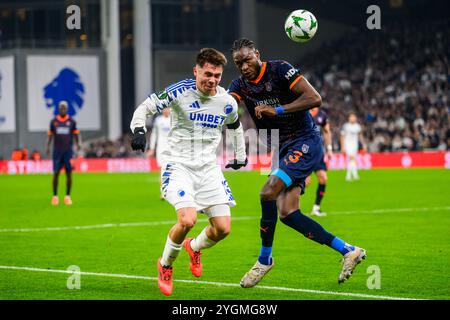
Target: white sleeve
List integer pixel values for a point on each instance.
(154, 134)
(232, 116)
(238, 141)
(153, 104)
(236, 135)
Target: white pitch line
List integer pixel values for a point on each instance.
(390, 210)
(108, 225)
(168, 222)
(219, 284)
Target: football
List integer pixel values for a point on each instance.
(300, 25)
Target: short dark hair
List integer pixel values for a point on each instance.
(242, 43)
(211, 55)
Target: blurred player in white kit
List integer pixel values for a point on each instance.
(350, 137)
(192, 181)
(159, 139)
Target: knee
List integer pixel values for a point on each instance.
(307, 181)
(323, 179)
(222, 231)
(267, 195)
(187, 223)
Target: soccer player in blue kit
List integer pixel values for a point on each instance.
(64, 130)
(278, 97)
(321, 119)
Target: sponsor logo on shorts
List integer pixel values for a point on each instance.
(181, 193)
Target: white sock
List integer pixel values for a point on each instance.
(202, 241)
(348, 176)
(171, 251)
(354, 169)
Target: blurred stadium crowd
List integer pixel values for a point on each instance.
(396, 80)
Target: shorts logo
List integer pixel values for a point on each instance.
(305, 148)
(181, 193)
(228, 109)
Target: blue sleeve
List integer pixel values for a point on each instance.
(288, 74)
(235, 89)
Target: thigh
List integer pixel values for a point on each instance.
(220, 222)
(67, 157)
(57, 161)
(288, 201)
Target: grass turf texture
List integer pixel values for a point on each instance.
(411, 247)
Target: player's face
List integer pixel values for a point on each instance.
(352, 118)
(248, 62)
(62, 110)
(207, 78)
(166, 112)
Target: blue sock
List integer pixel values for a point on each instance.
(308, 227)
(341, 246)
(265, 256)
(268, 223)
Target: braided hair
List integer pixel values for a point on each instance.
(242, 43)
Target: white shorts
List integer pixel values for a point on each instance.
(204, 188)
(351, 150)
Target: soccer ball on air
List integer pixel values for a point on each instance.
(300, 25)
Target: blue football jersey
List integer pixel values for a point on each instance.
(273, 87)
(320, 118)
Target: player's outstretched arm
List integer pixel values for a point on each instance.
(308, 97)
(150, 106)
(235, 132)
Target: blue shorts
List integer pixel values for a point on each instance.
(298, 159)
(321, 165)
(62, 158)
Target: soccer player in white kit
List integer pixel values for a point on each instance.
(192, 181)
(350, 136)
(159, 136)
(158, 139)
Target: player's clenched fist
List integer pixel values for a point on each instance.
(138, 142)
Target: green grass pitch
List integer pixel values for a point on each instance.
(401, 217)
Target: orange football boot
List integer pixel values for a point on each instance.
(194, 264)
(55, 200)
(165, 279)
(67, 200)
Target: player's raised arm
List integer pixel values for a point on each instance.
(153, 104)
(308, 97)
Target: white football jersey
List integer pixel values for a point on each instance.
(351, 131)
(160, 134)
(197, 120)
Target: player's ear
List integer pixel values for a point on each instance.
(195, 71)
(257, 54)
